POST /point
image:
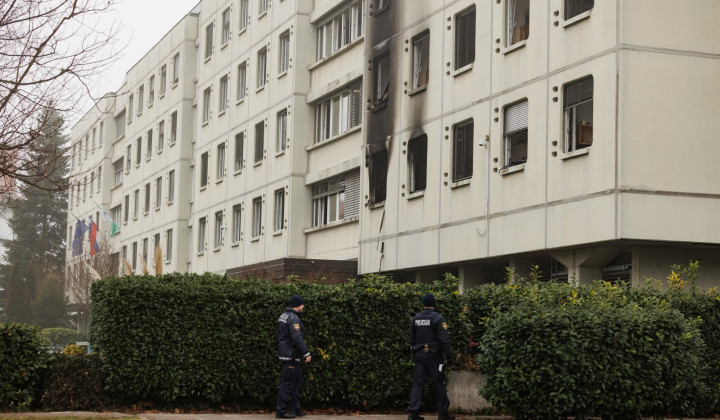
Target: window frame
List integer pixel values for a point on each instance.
(418, 42)
(279, 210)
(223, 97)
(349, 110)
(571, 125)
(225, 37)
(239, 157)
(462, 169)
(261, 76)
(281, 131)
(202, 235)
(259, 142)
(284, 53)
(204, 161)
(220, 162)
(328, 201)
(257, 218)
(176, 69)
(241, 81)
(219, 239)
(518, 113)
(465, 33)
(417, 164)
(209, 41)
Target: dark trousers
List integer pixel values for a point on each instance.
(290, 384)
(428, 364)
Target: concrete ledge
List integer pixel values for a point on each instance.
(463, 391)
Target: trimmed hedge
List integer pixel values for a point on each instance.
(74, 383)
(62, 337)
(210, 338)
(23, 361)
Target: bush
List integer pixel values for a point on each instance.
(209, 338)
(74, 383)
(23, 361)
(61, 337)
(562, 351)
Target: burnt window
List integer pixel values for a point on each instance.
(576, 7)
(578, 114)
(421, 60)
(381, 73)
(417, 163)
(517, 15)
(516, 133)
(465, 38)
(463, 150)
(378, 176)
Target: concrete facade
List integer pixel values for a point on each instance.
(421, 137)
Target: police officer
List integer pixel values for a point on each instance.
(428, 336)
(291, 351)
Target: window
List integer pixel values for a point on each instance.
(168, 245)
(517, 24)
(116, 212)
(257, 217)
(465, 38)
(124, 252)
(220, 162)
(151, 90)
(241, 81)
(222, 100)
(218, 229)
(138, 151)
(421, 59)
(202, 225)
(141, 98)
(261, 68)
(377, 173)
(381, 72)
(203, 170)
(94, 138)
(136, 203)
(149, 145)
(281, 131)
(244, 14)
(102, 133)
(163, 79)
(156, 242)
(206, 105)
(208, 40)
(339, 113)
(279, 221)
(236, 223)
(259, 141)
(145, 250)
(171, 186)
(87, 146)
(131, 104)
(134, 256)
(576, 7)
(128, 158)
(515, 133)
(344, 27)
(578, 114)
(381, 5)
(417, 164)
(158, 192)
(146, 209)
(239, 150)
(284, 53)
(118, 169)
(120, 125)
(92, 182)
(161, 135)
(462, 151)
(173, 127)
(262, 6)
(225, 27)
(176, 69)
(328, 201)
(126, 208)
(84, 189)
(99, 178)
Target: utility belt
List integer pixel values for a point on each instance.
(426, 347)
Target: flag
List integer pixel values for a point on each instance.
(94, 247)
(80, 229)
(114, 228)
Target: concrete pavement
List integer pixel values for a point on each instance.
(224, 416)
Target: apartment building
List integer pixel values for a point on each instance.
(418, 137)
(481, 142)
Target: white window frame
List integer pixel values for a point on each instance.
(281, 135)
(511, 22)
(219, 227)
(223, 97)
(173, 127)
(340, 29)
(421, 60)
(334, 115)
(239, 151)
(163, 79)
(168, 245)
(204, 161)
(261, 78)
(237, 223)
(207, 100)
(244, 14)
(220, 162)
(463, 169)
(209, 29)
(576, 131)
(226, 27)
(176, 69)
(158, 192)
(202, 234)
(284, 52)
(515, 132)
(279, 219)
(259, 142)
(328, 201)
(146, 207)
(241, 81)
(171, 187)
(257, 217)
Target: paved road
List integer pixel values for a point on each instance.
(170, 416)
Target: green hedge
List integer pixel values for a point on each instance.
(74, 383)
(211, 338)
(23, 360)
(61, 337)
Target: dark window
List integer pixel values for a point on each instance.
(575, 7)
(465, 38)
(516, 133)
(417, 163)
(378, 176)
(578, 114)
(463, 150)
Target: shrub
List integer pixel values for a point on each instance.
(74, 382)
(61, 337)
(23, 360)
(74, 350)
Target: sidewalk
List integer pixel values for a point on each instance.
(212, 416)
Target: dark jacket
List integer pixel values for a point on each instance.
(429, 328)
(289, 336)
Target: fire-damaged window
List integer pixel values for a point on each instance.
(576, 7)
(421, 60)
(462, 150)
(518, 21)
(516, 133)
(578, 114)
(377, 164)
(417, 164)
(336, 198)
(339, 113)
(381, 74)
(465, 38)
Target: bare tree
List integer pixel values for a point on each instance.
(49, 52)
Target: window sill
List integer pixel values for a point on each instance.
(170, 203)
(146, 212)
(167, 262)
(512, 169)
(171, 144)
(204, 123)
(280, 153)
(147, 159)
(262, 14)
(277, 233)
(219, 180)
(119, 138)
(417, 90)
(332, 139)
(115, 186)
(203, 187)
(256, 164)
(575, 153)
(464, 69)
(461, 183)
(284, 73)
(379, 106)
(217, 249)
(208, 58)
(162, 95)
(575, 19)
(255, 239)
(159, 151)
(514, 47)
(336, 53)
(224, 45)
(221, 113)
(373, 206)
(415, 194)
(157, 208)
(239, 101)
(244, 28)
(238, 172)
(380, 11)
(150, 105)
(235, 244)
(259, 88)
(200, 253)
(332, 225)
(174, 84)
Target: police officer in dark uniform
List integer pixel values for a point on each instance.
(428, 337)
(291, 351)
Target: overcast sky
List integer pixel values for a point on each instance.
(142, 23)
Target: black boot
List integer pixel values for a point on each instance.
(415, 415)
(445, 416)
